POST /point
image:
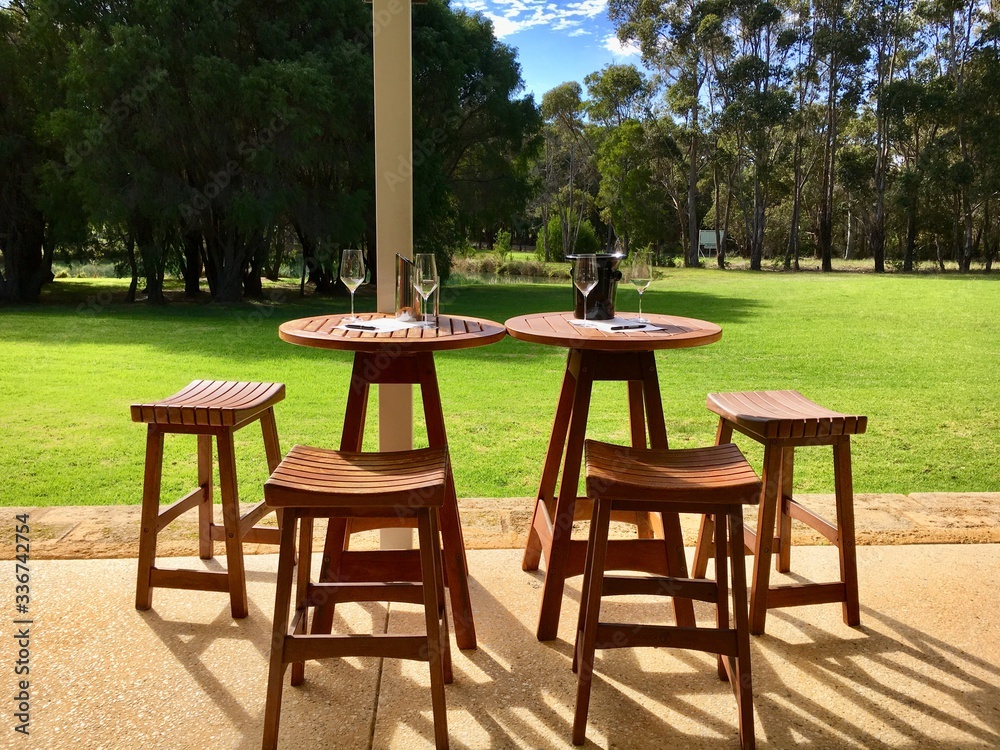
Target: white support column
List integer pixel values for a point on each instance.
(393, 206)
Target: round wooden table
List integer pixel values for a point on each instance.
(407, 357)
(602, 355)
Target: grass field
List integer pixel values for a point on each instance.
(918, 355)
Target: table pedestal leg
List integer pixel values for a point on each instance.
(341, 564)
(552, 531)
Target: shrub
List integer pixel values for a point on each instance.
(501, 245)
(586, 241)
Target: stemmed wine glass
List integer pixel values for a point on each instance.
(425, 281)
(639, 274)
(585, 276)
(352, 273)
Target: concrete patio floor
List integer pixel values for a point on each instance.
(922, 671)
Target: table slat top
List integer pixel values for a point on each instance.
(555, 329)
(453, 332)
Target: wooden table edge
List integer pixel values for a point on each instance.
(620, 342)
(367, 342)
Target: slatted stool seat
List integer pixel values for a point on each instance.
(205, 408)
(717, 481)
(783, 421)
(314, 483)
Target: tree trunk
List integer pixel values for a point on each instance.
(829, 160)
(27, 261)
(989, 246)
(691, 259)
(191, 264)
(153, 260)
(911, 233)
(133, 267)
(757, 225)
(720, 255)
(230, 258)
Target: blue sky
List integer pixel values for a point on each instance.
(556, 41)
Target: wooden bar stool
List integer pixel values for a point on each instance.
(316, 483)
(716, 481)
(783, 421)
(205, 408)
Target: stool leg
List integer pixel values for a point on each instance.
(722, 585)
(784, 560)
(706, 531)
(591, 601)
(272, 448)
(282, 599)
(742, 675)
(205, 508)
(765, 536)
(432, 616)
(150, 513)
(231, 524)
(588, 571)
(703, 549)
(844, 489)
(442, 603)
(333, 556)
(301, 587)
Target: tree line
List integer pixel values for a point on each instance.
(862, 128)
(223, 140)
(216, 139)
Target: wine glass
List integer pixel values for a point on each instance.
(352, 273)
(425, 281)
(639, 273)
(585, 276)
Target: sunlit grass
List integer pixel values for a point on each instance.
(918, 355)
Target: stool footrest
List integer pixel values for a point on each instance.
(249, 519)
(320, 594)
(813, 521)
(627, 635)
(301, 647)
(681, 588)
(194, 580)
(176, 509)
(380, 565)
(255, 535)
(797, 594)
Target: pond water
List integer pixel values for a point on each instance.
(499, 279)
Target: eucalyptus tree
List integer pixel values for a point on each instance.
(678, 39)
(572, 176)
(620, 104)
(889, 30)
(840, 50)
(757, 105)
(914, 106)
(797, 39)
(476, 133)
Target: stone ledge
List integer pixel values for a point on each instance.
(85, 532)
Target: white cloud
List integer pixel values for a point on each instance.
(512, 16)
(620, 49)
(580, 32)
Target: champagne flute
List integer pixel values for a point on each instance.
(639, 274)
(425, 281)
(352, 273)
(585, 276)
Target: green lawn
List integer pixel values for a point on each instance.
(918, 355)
